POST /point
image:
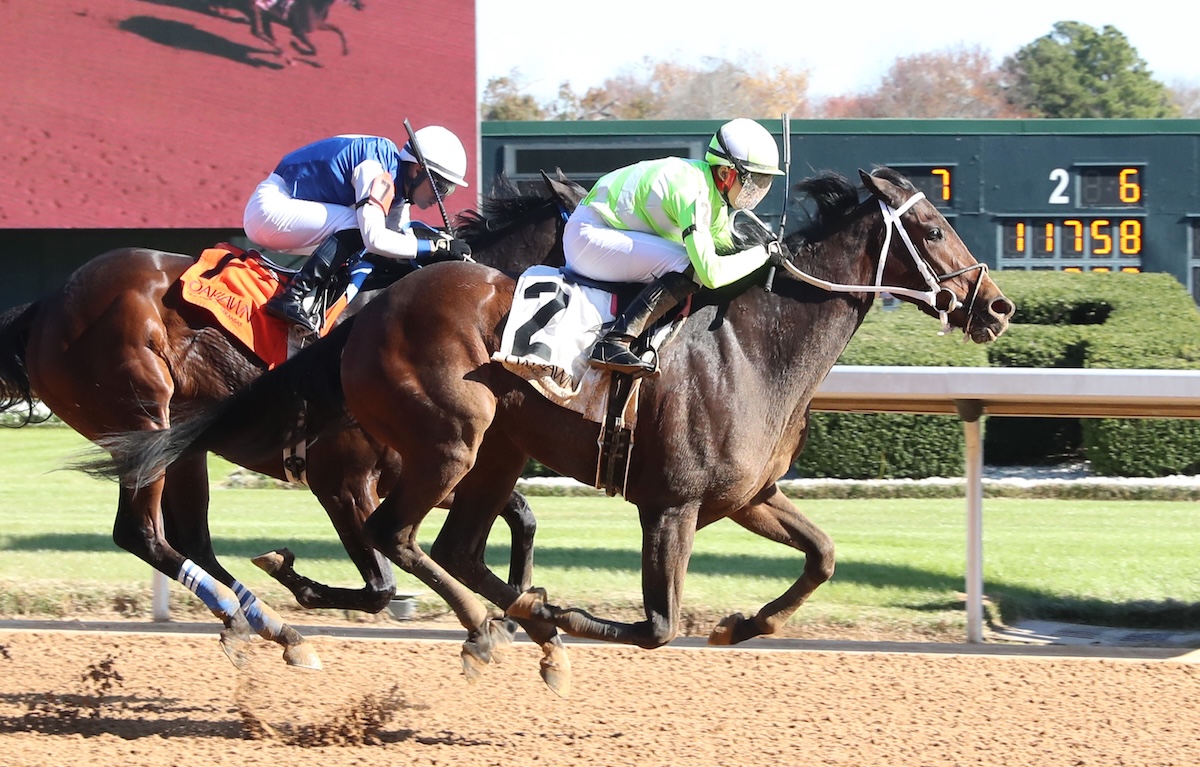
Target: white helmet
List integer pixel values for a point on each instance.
(746, 146)
(443, 152)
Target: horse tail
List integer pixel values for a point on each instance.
(15, 389)
(294, 402)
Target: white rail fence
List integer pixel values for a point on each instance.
(971, 393)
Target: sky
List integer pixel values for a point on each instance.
(846, 48)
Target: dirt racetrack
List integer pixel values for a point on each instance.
(141, 699)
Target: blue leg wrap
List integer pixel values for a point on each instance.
(262, 619)
(212, 592)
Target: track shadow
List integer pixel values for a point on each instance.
(212, 8)
(185, 37)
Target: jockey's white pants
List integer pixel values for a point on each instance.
(596, 250)
(274, 220)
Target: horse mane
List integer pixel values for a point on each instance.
(501, 208)
(836, 200)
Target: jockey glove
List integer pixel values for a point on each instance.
(444, 249)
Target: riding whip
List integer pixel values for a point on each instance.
(787, 171)
(416, 150)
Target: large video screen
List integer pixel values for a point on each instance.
(156, 114)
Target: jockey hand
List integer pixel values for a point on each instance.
(445, 248)
(775, 255)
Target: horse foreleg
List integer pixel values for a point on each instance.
(667, 537)
(326, 26)
(185, 510)
(300, 42)
(522, 527)
(778, 520)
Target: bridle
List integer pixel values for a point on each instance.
(940, 298)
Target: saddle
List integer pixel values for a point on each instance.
(232, 285)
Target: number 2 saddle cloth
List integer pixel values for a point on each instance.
(551, 329)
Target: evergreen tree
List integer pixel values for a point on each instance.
(1078, 71)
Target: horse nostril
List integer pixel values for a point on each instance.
(1002, 307)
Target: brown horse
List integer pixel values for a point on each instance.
(716, 429)
(116, 349)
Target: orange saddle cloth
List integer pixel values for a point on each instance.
(233, 287)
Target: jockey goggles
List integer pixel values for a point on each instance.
(754, 188)
(754, 185)
(443, 187)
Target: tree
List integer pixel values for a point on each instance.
(503, 99)
(957, 82)
(1186, 98)
(661, 90)
(1077, 71)
(717, 89)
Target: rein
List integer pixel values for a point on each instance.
(941, 299)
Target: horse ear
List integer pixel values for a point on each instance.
(882, 189)
(566, 191)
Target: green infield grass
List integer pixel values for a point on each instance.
(900, 565)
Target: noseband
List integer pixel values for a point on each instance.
(941, 299)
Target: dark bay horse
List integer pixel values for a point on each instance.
(716, 429)
(116, 349)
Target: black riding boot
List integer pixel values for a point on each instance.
(287, 304)
(612, 351)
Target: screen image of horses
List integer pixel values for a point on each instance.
(163, 114)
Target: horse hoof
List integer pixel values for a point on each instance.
(302, 656)
(725, 633)
(556, 668)
(473, 665)
(274, 561)
(234, 645)
(530, 601)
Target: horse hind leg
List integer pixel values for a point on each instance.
(392, 529)
(340, 478)
(777, 519)
(139, 529)
(185, 510)
(260, 27)
(460, 547)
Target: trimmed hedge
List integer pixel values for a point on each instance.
(892, 446)
(1101, 320)
(1063, 320)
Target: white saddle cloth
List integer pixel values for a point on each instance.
(549, 333)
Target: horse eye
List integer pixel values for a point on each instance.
(935, 235)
